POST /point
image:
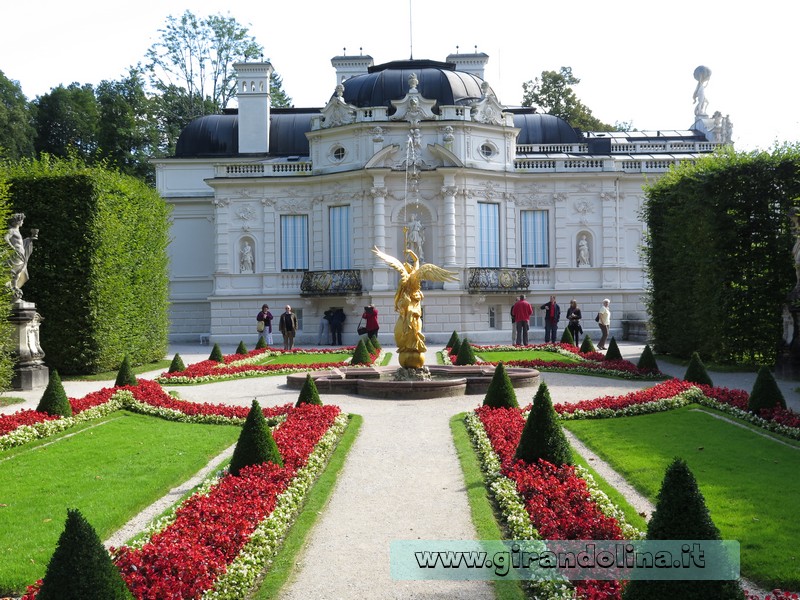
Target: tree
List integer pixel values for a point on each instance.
(553, 95)
(16, 130)
(66, 122)
(125, 374)
(54, 400)
(696, 371)
(542, 436)
(256, 444)
(500, 393)
(765, 394)
(309, 394)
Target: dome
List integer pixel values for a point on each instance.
(535, 128)
(218, 135)
(437, 81)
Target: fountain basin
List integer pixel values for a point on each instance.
(378, 382)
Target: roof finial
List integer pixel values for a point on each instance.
(344, 51)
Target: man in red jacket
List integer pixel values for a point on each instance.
(521, 311)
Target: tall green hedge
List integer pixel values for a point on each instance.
(719, 254)
(6, 349)
(99, 271)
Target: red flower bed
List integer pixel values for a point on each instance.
(667, 389)
(27, 416)
(557, 500)
(184, 560)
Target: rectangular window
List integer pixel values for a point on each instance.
(488, 234)
(341, 237)
(294, 242)
(492, 318)
(534, 238)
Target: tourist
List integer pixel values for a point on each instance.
(574, 320)
(371, 317)
(604, 320)
(264, 324)
(521, 313)
(325, 328)
(337, 326)
(288, 327)
(552, 313)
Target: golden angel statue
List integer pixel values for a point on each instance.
(408, 305)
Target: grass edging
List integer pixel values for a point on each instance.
(282, 566)
(482, 509)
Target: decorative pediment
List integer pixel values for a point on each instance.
(487, 110)
(414, 107)
(338, 112)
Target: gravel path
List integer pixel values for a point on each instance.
(401, 481)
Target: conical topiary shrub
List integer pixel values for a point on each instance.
(369, 345)
(542, 436)
(309, 394)
(696, 371)
(176, 365)
(256, 444)
(456, 347)
(262, 343)
(125, 374)
(466, 355)
(81, 567)
(587, 345)
(566, 337)
(613, 352)
(647, 361)
(766, 393)
(361, 354)
(376, 343)
(681, 514)
(453, 339)
(241, 348)
(216, 354)
(501, 392)
(54, 400)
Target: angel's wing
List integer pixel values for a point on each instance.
(390, 260)
(434, 273)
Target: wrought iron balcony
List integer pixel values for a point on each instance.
(497, 279)
(331, 283)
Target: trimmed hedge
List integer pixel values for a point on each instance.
(6, 329)
(696, 371)
(542, 437)
(500, 393)
(54, 400)
(765, 394)
(99, 272)
(256, 444)
(309, 394)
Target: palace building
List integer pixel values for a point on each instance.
(285, 205)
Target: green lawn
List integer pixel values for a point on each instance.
(750, 482)
(110, 469)
(160, 365)
(306, 359)
(508, 355)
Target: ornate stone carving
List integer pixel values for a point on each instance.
(337, 112)
(487, 109)
(413, 107)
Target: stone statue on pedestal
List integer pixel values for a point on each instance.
(20, 253)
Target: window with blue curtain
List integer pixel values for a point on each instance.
(488, 234)
(534, 238)
(341, 237)
(294, 242)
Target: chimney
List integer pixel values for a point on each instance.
(349, 66)
(252, 92)
(470, 63)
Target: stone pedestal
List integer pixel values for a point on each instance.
(30, 372)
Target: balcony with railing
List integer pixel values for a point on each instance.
(340, 282)
(481, 280)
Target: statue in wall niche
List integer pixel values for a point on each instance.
(583, 253)
(246, 259)
(21, 250)
(416, 236)
(408, 305)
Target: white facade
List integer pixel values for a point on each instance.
(539, 219)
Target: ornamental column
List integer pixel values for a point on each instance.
(380, 273)
(449, 191)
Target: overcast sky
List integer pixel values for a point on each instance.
(635, 59)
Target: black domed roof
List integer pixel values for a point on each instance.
(538, 128)
(437, 81)
(218, 135)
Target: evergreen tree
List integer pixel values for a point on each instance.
(216, 354)
(587, 345)
(542, 436)
(176, 366)
(454, 349)
(81, 567)
(613, 352)
(566, 337)
(501, 392)
(125, 374)
(466, 355)
(453, 339)
(681, 514)
(54, 400)
(309, 394)
(262, 343)
(241, 348)
(765, 393)
(369, 345)
(696, 371)
(647, 361)
(256, 444)
(361, 355)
